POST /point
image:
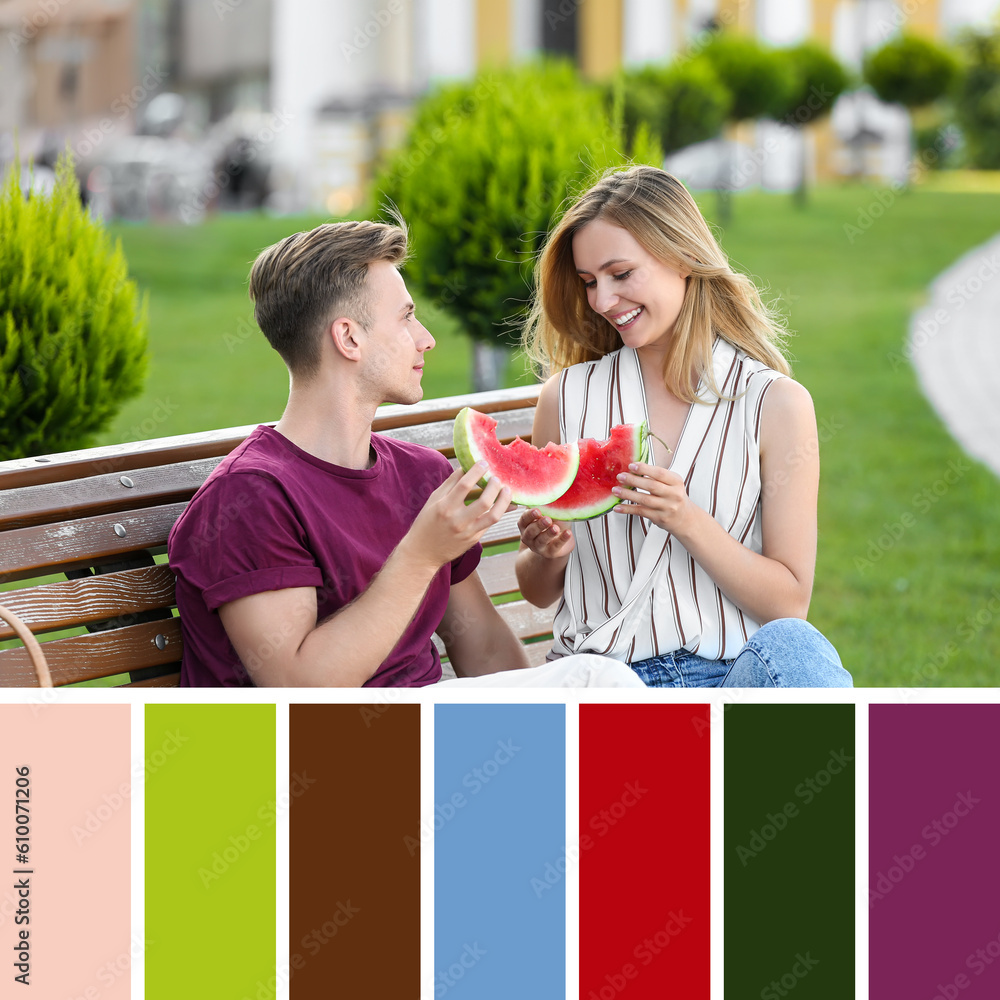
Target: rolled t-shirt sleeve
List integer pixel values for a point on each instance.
(465, 565)
(241, 538)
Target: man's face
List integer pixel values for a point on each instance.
(395, 343)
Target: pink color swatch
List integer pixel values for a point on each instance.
(65, 851)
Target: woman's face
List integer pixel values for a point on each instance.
(637, 294)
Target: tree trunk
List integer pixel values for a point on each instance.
(800, 196)
(488, 363)
(724, 182)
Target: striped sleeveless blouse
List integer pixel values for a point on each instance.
(632, 590)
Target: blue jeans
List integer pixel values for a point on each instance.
(786, 652)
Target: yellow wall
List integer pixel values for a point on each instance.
(600, 27)
(925, 19)
(822, 20)
(824, 140)
(492, 32)
(737, 15)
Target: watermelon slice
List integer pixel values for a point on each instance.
(535, 476)
(600, 462)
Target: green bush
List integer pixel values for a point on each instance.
(72, 331)
(911, 70)
(819, 80)
(977, 99)
(486, 167)
(759, 80)
(682, 103)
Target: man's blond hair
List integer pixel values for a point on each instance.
(306, 281)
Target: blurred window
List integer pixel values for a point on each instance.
(559, 27)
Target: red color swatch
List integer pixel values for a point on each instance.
(644, 852)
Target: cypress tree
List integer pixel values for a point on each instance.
(73, 330)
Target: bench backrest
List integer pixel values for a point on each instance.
(100, 517)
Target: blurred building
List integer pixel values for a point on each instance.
(346, 72)
(64, 63)
(320, 88)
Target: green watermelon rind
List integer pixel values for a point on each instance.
(642, 453)
(468, 454)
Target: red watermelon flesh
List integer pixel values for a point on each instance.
(534, 475)
(600, 463)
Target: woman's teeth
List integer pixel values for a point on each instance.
(628, 317)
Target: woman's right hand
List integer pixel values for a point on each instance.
(545, 537)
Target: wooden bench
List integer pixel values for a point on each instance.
(100, 517)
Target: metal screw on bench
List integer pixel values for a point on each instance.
(125, 481)
(120, 530)
(161, 641)
(43, 459)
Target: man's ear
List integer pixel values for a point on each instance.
(345, 335)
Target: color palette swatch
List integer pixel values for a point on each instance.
(211, 815)
(644, 852)
(355, 843)
(789, 851)
(499, 823)
(66, 859)
(934, 877)
(495, 836)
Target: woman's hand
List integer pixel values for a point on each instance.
(545, 537)
(664, 500)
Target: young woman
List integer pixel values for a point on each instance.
(703, 575)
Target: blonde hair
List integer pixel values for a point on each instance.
(657, 210)
(303, 282)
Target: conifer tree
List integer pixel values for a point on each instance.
(487, 167)
(73, 331)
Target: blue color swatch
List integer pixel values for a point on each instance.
(499, 838)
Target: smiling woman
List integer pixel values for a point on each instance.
(639, 294)
(703, 576)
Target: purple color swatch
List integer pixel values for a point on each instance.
(934, 864)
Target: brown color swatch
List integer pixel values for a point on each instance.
(355, 851)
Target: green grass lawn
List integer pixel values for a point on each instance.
(916, 612)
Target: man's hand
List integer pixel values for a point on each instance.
(447, 526)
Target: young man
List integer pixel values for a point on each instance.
(318, 553)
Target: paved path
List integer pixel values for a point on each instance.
(955, 347)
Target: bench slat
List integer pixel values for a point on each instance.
(447, 407)
(99, 654)
(103, 494)
(50, 548)
(537, 651)
(44, 503)
(505, 530)
(119, 458)
(163, 681)
(497, 573)
(28, 552)
(525, 620)
(441, 434)
(70, 603)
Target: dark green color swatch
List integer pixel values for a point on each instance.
(211, 813)
(789, 851)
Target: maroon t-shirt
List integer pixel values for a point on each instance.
(271, 516)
